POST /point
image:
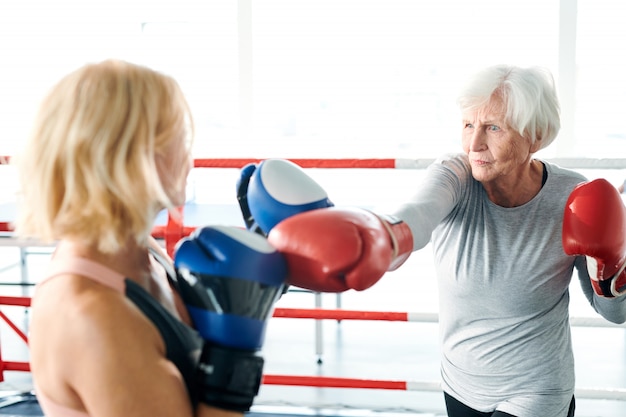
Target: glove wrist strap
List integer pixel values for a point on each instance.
(618, 283)
(228, 378)
(401, 239)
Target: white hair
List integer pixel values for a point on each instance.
(529, 95)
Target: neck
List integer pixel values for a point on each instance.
(519, 189)
(132, 260)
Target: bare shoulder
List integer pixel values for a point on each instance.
(89, 344)
(83, 311)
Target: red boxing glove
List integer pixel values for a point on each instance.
(594, 225)
(337, 249)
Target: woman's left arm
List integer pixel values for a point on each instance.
(613, 309)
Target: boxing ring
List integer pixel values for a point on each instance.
(169, 228)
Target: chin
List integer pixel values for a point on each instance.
(479, 175)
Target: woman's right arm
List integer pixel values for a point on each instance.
(435, 197)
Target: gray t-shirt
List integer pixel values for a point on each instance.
(503, 287)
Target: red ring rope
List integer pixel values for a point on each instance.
(15, 301)
(175, 229)
(397, 163)
(303, 162)
(332, 382)
(325, 314)
(16, 329)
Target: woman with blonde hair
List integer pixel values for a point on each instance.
(110, 334)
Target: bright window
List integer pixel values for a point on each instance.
(601, 79)
(323, 78)
(341, 78)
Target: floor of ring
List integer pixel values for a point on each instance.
(380, 350)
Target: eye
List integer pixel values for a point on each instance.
(469, 126)
(494, 128)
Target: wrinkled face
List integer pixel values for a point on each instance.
(174, 167)
(495, 150)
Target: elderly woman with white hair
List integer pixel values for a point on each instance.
(494, 214)
(507, 231)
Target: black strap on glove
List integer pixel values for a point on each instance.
(228, 378)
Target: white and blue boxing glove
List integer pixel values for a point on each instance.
(327, 248)
(229, 279)
(242, 197)
(274, 190)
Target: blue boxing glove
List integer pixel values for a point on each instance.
(229, 279)
(278, 189)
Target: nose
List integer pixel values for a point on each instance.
(477, 141)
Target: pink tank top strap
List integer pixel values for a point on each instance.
(87, 268)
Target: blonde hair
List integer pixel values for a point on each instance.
(89, 170)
